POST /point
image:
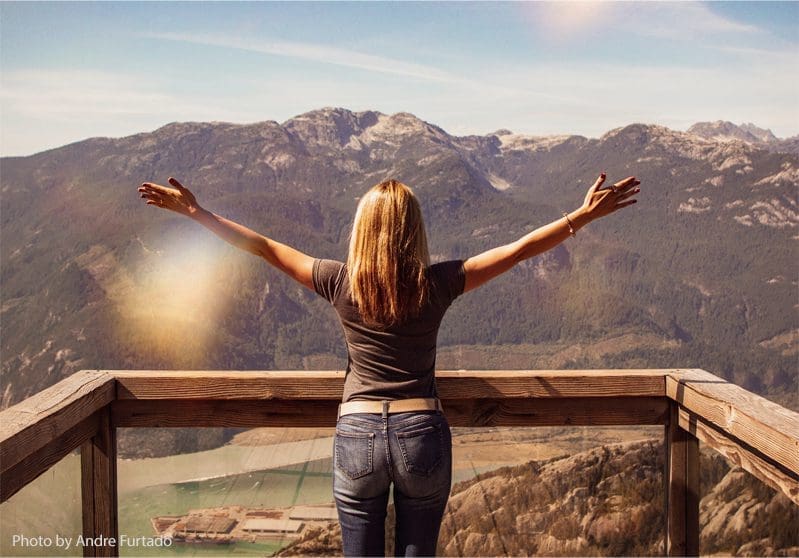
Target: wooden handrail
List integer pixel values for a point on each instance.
(759, 423)
(85, 409)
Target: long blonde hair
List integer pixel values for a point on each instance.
(388, 256)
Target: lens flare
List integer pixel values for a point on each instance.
(564, 21)
(171, 299)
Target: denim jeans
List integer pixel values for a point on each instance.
(411, 450)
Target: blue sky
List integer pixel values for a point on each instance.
(69, 71)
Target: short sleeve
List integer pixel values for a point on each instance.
(450, 280)
(327, 275)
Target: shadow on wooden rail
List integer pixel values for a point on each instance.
(85, 409)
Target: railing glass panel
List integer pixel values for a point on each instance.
(44, 517)
(252, 494)
(516, 491)
(741, 516)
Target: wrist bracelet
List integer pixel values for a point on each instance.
(569, 223)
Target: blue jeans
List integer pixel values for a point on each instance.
(411, 450)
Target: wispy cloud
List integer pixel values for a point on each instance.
(679, 20)
(315, 53)
(324, 54)
(72, 94)
(675, 96)
(43, 108)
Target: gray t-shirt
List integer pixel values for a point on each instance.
(395, 362)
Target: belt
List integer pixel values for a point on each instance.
(386, 407)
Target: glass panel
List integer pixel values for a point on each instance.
(569, 491)
(253, 495)
(742, 516)
(44, 518)
(516, 491)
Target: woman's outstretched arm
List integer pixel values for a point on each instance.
(179, 199)
(598, 203)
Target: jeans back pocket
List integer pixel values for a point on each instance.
(353, 453)
(422, 449)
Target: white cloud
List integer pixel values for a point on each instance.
(675, 96)
(316, 53)
(42, 109)
(678, 20)
(71, 94)
(353, 59)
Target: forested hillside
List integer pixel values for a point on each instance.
(700, 273)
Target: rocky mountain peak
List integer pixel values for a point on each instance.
(339, 127)
(638, 133)
(765, 135)
(332, 127)
(722, 130)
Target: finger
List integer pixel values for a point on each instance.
(598, 183)
(628, 193)
(624, 204)
(174, 182)
(624, 184)
(156, 188)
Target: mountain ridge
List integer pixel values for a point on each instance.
(77, 237)
(719, 130)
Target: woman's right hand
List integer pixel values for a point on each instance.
(604, 201)
(179, 200)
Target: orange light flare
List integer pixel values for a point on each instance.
(173, 297)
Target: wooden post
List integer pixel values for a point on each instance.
(98, 457)
(682, 489)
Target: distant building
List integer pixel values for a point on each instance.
(268, 525)
(210, 525)
(314, 513)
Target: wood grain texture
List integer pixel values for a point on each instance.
(99, 489)
(452, 384)
(218, 413)
(41, 419)
(682, 489)
(771, 429)
(40, 460)
(581, 411)
(751, 460)
(588, 411)
(88, 406)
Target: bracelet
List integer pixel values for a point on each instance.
(569, 223)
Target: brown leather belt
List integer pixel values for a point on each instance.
(386, 407)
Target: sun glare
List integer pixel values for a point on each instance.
(565, 20)
(175, 297)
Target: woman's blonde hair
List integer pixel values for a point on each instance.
(388, 257)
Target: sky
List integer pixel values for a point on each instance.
(70, 71)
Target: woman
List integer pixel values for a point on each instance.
(390, 302)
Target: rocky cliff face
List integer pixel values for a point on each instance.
(604, 502)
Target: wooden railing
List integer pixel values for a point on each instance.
(85, 409)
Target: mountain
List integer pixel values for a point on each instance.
(721, 130)
(607, 501)
(700, 273)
